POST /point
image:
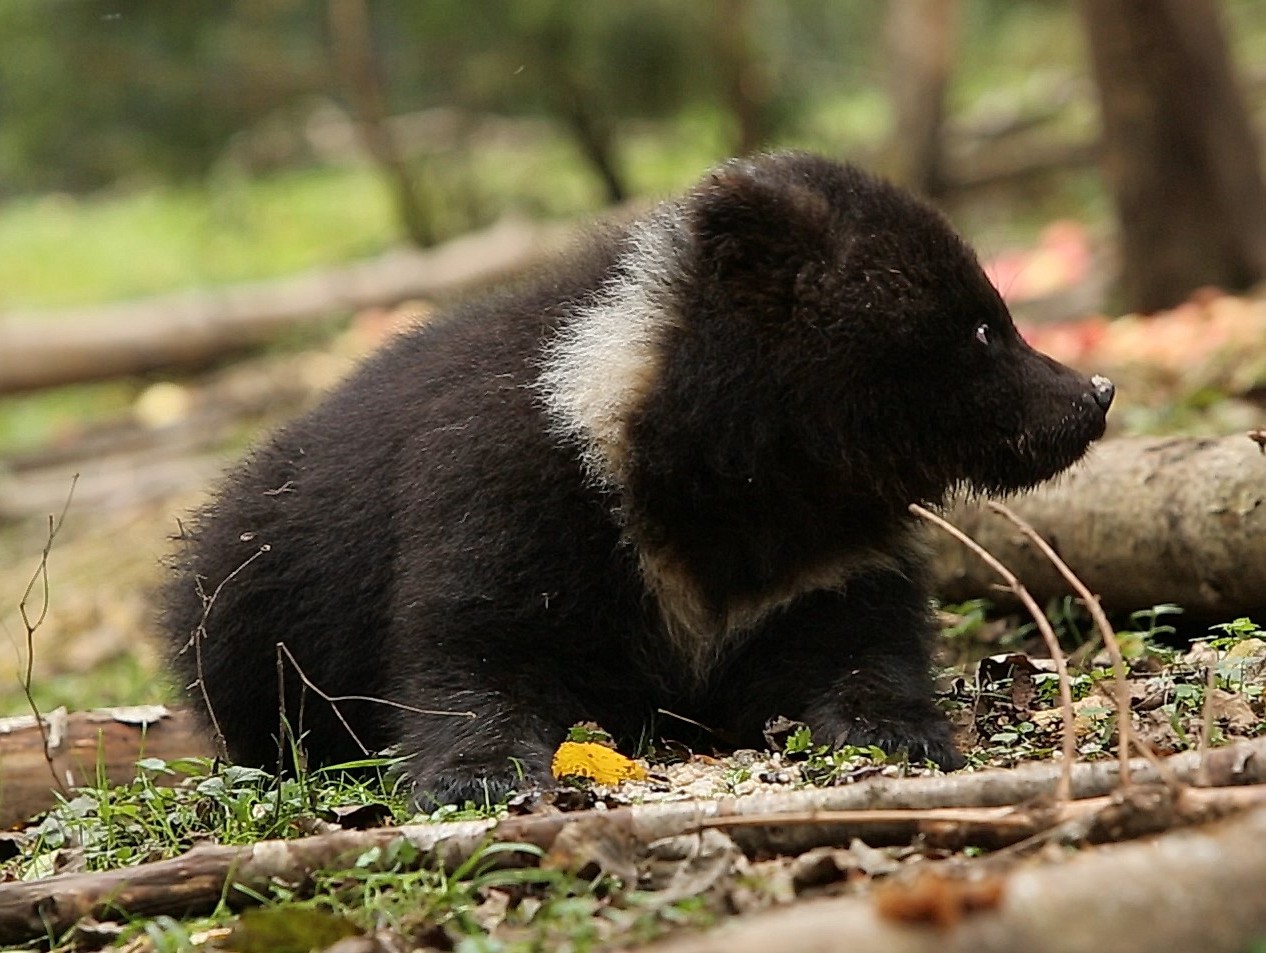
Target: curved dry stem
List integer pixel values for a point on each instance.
(40, 578)
(1105, 630)
(1063, 788)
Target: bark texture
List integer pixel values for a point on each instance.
(1142, 521)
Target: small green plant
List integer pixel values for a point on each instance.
(119, 826)
(799, 742)
(1241, 650)
(1068, 619)
(968, 618)
(823, 765)
(588, 732)
(826, 765)
(1016, 734)
(167, 935)
(1143, 639)
(1047, 684)
(1235, 632)
(735, 775)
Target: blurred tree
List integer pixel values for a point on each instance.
(577, 94)
(1178, 151)
(600, 68)
(589, 67)
(743, 77)
(352, 45)
(920, 37)
(95, 90)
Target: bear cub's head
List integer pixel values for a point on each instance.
(854, 315)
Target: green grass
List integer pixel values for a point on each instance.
(481, 905)
(59, 251)
(146, 820)
(123, 680)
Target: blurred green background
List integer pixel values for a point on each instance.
(147, 145)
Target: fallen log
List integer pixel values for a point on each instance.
(1190, 891)
(190, 329)
(172, 451)
(1142, 521)
(37, 762)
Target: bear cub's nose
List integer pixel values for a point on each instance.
(1103, 391)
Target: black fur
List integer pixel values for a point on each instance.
(796, 351)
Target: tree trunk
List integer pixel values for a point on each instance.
(351, 40)
(1178, 152)
(920, 36)
(744, 87)
(593, 133)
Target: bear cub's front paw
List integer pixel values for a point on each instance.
(920, 732)
(483, 780)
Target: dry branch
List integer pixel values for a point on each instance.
(44, 349)
(1069, 741)
(1091, 602)
(196, 881)
(1196, 890)
(82, 747)
(1126, 814)
(1143, 521)
(119, 737)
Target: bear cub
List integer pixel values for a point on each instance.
(666, 478)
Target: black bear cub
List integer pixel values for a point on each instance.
(668, 475)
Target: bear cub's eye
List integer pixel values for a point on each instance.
(982, 334)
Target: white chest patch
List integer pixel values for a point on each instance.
(598, 370)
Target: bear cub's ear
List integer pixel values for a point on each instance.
(747, 215)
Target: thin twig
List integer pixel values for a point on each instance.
(199, 635)
(41, 576)
(1206, 721)
(333, 700)
(283, 724)
(1105, 630)
(1063, 788)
